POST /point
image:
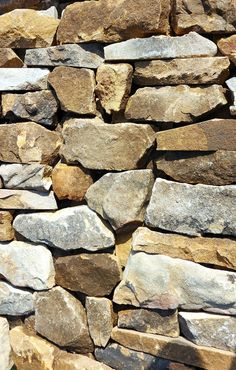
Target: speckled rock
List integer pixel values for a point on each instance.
(14, 301)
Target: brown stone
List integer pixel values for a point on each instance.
(6, 229)
(8, 5)
(123, 247)
(9, 59)
(74, 88)
(227, 46)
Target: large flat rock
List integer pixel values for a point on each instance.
(14, 301)
(25, 199)
(23, 79)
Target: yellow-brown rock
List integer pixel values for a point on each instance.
(6, 229)
(9, 59)
(123, 247)
(227, 46)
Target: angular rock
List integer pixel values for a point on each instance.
(50, 12)
(231, 83)
(74, 88)
(113, 86)
(40, 107)
(24, 199)
(72, 55)
(174, 103)
(9, 59)
(162, 47)
(110, 195)
(211, 209)
(70, 182)
(123, 247)
(218, 168)
(5, 347)
(91, 274)
(20, 79)
(227, 46)
(70, 329)
(26, 28)
(6, 229)
(215, 251)
(172, 283)
(127, 144)
(190, 71)
(28, 142)
(8, 5)
(14, 301)
(67, 229)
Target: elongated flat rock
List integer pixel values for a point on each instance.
(5, 347)
(23, 79)
(14, 301)
(24, 199)
(162, 47)
(68, 228)
(9, 59)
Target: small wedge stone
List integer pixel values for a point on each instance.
(9, 59)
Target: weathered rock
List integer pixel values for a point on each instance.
(8, 5)
(40, 106)
(24, 199)
(215, 134)
(110, 195)
(127, 144)
(123, 247)
(91, 274)
(227, 46)
(9, 59)
(26, 28)
(70, 182)
(209, 330)
(211, 209)
(74, 88)
(6, 229)
(215, 251)
(69, 228)
(189, 71)
(20, 79)
(72, 361)
(174, 103)
(70, 329)
(14, 301)
(172, 282)
(176, 349)
(5, 347)
(72, 55)
(28, 142)
(162, 47)
(211, 17)
(231, 83)
(114, 85)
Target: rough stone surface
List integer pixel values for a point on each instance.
(70, 329)
(72, 361)
(24, 199)
(211, 209)
(174, 103)
(162, 47)
(91, 274)
(123, 247)
(9, 59)
(68, 228)
(14, 301)
(5, 347)
(227, 46)
(6, 229)
(231, 83)
(8, 5)
(20, 79)
(74, 88)
(126, 144)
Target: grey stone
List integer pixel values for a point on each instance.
(25, 199)
(14, 301)
(5, 347)
(50, 12)
(18, 79)
(231, 83)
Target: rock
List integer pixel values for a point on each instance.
(20, 79)
(70, 182)
(176, 349)
(174, 103)
(72, 361)
(27, 142)
(214, 134)
(67, 229)
(210, 210)
(84, 142)
(110, 195)
(162, 47)
(27, 265)
(14, 301)
(74, 88)
(40, 107)
(5, 347)
(190, 71)
(172, 283)
(215, 251)
(26, 28)
(6, 229)
(227, 46)
(209, 330)
(91, 274)
(111, 21)
(8, 5)
(26, 176)
(147, 321)
(9, 59)
(231, 83)
(70, 329)
(123, 247)
(72, 55)
(24, 199)
(217, 168)
(210, 17)
(50, 12)
(113, 86)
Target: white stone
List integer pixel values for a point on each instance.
(14, 301)
(231, 83)
(24, 199)
(50, 12)
(25, 79)
(5, 347)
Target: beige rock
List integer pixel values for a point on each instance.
(6, 229)
(227, 46)
(72, 361)
(9, 59)
(25, 199)
(123, 247)
(5, 347)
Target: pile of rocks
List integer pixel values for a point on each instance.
(117, 185)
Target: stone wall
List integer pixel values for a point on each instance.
(117, 185)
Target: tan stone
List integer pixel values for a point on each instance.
(227, 46)
(72, 361)
(123, 247)
(6, 229)
(9, 59)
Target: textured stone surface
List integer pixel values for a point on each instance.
(211, 209)
(24, 199)
(72, 361)
(91, 274)
(6, 229)
(123, 247)
(18, 79)
(173, 282)
(174, 103)
(74, 88)
(68, 228)
(126, 144)
(14, 301)
(5, 347)
(190, 71)
(9, 59)
(227, 46)
(70, 329)
(231, 83)
(162, 47)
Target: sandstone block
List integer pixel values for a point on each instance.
(14, 301)
(9, 59)
(20, 79)
(227, 46)
(24, 199)
(5, 347)
(6, 229)
(123, 247)
(231, 83)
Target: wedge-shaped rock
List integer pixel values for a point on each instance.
(14, 301)
(5, 347)
(9, 59)
(227, 46)
(190, 71)
(231, 83)
(24, 199)
(192, 209)
(123, 247)
(127, 144)
(172, 282)
(162, 47)
(23, 79)
(110, 195)
(174, 103)
(69, 228)
(6, 229)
